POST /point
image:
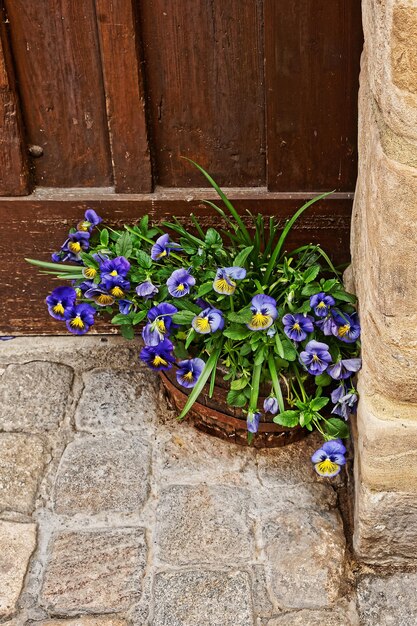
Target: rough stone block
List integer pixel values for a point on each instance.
(33, 396)
(404, 55)
(17, 542)
(117, 400)
(388, 601)
(97, 571)
(335, 617)
(101, 620)
(22, 461)
(305, 557)
(103, 473)
(204, 598)
(200, 524)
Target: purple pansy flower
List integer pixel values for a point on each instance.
(162, 247)
(346, 327)
(189, 371)
(252, 421)
(158, 357)
(160, 323)
(126, 306)
(326, 325)
(344, 368)
(264, 312)
(271, 405)
(344, 400)
(76, 243)
(208, 321)
(146, 290)
(224, 281)
(117, 286)
(79, 318)
(90, 220)
(316, 357)
(321, 303)
(328, 459)
(180, 283)
(61, 299)
(113, 268)
(297, 326)
(99, 295)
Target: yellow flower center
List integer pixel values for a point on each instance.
(90, 272)
(202, 324)
(188, 377)
(160, 324)
(58, 309)
(113, 273)
(296, 326)
(74, 246)
(161, 254)
(77, 322)
(321, 305)
(343, 330)
(158, 360)
(327, 467)
(259, 320)
(315, 358)
(104, 299)
(181, 287)
(222, 286)
(117, 292)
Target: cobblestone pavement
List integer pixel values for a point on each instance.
(113, 514)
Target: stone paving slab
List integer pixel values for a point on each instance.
(101, 620)
(388, 601)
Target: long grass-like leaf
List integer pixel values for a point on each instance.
(212, 360)
(59, 267)
(286, 230)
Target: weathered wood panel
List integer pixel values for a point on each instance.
(124, 96)
(56, 53)
(204, 75)
(14, 179)
(312, 51)
(35, 227)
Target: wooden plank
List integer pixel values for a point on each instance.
(34, 227)
(312, 53)
(57, 58)
(123, 85)
(204, 76)
(14, 173)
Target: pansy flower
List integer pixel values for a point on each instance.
(126, 307)
(160, 323)
(328, 460)
(297, 326)
(158, 357)
(180, 283)
(79, 318)
(76, 243)
(146, 290)
(264, 312)
(90, 273)
(321, 303)
(252, 421)
(344, 368)
(162, 247)
(208, 321)
(346, 327)
(189, 371)
(271, 405)
(344, 401)
(99, 295)
(113, 268)
(117, 286)
(224, 281)
(315, 357)
(59, 301)
(90, 220)
(326, 325)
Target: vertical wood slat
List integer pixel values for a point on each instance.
(204, 78)
(312, 54)
(14, 174)
(57, 58)
(124, 90)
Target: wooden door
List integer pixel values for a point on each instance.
(101, 98)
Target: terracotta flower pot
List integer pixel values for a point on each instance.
(215, 417)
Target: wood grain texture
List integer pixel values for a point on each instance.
(34, 227)
(14, 173)
(312, 53)
(123, 85)
(204, 76)
(57, 59)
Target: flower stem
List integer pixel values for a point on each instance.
(256, 377)
(275, 383)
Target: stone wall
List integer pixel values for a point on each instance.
(384, 265)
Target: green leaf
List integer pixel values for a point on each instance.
(336, 428)
(241, 317)
(185, 305)
(305, 307)
(318, 403)
(213, 238)
(305, 418)
(143, 225)
(279, 346)
(344, 296)
(287, 418)
(121, 319)
(183, 317)
(60, 268)
(204, 289)
(89, 260)
(311, 289)
(144, 259)
(260, 355)
(290, 353)
(241, 257)
(236, 398)
(180, 351)
(127, 331)
(237, 331)
(323, 380)
(201, 381)
(124, 245)
(139, 317)
(104, 237)
(239, 383)
(188, 247)
(190, 338)
(330, 284)
(311, 273)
